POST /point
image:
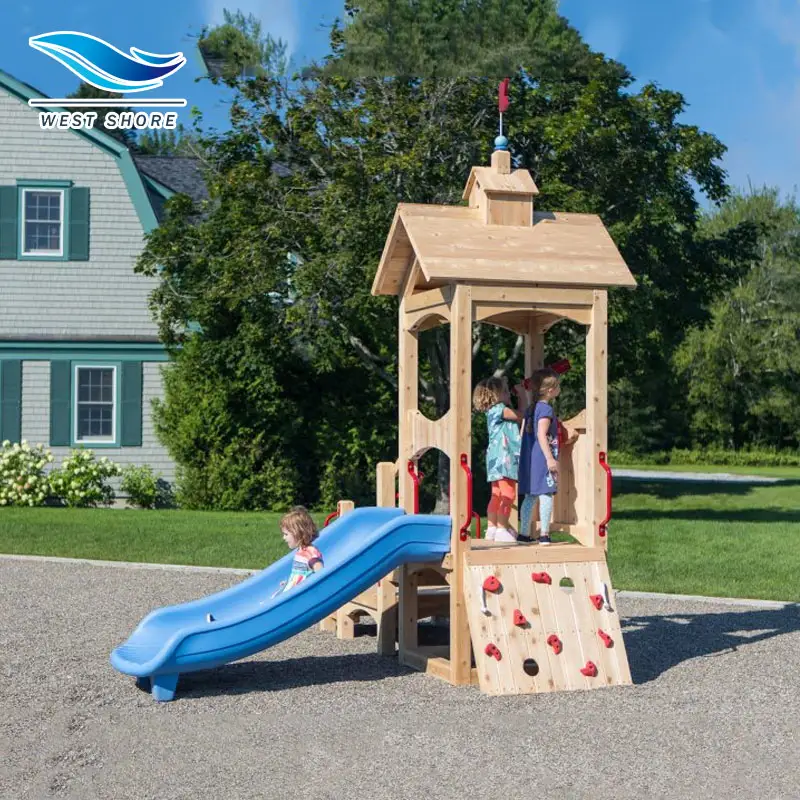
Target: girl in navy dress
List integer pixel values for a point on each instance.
(538, 464)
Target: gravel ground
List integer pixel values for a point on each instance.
(714, 712)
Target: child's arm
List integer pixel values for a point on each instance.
(542, 430)
(316, 566)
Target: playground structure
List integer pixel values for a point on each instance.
(537, 619)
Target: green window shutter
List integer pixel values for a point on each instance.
(131, 406)
(9, 221)
(79, 224)
(60, 403)
(11, 400)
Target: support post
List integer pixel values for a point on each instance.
(460, 442)
(596, 416)
(387, 587)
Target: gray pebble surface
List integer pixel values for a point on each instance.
(713, 713)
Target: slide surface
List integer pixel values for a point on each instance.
(358, 550)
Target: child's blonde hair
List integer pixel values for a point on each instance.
(298, 522)
(488, 393)
(541, 381)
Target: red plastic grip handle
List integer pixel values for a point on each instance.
(464, 532)
(330, 518)
(603, 529)
(415, 476)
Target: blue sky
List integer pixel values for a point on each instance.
(737, 62)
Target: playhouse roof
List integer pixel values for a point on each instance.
(452, 245)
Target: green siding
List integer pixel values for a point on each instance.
(11, 400)
(9, 222)
(60, 403)
(131, 405)
(79, 224)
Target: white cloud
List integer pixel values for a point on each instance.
(277, 17)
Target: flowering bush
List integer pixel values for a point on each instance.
(144, 488)
(81, 480)
(22, 478)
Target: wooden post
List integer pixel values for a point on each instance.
(387, 587)
(460, 442)
(596, 416)
(408, 401)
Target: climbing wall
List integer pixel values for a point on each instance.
(534, 632)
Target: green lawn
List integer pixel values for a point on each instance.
(739, 540)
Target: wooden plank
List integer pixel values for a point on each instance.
(508, 209)
(481, 554)
(501, 632)
(610, 621)
(532, 296)
(408, 394)
(430, 298)
(429, 433)
(589, 623)
(460, 424)
(573, 657)
(543, 616)
(408, 615)
(496, 179)
(596, 415)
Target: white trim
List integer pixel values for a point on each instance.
(49, 190)
(75, 387)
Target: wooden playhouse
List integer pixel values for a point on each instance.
(523, 618)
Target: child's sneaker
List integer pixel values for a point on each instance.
(524, 539)
(504, 535)
(491, 530)
(545, 540)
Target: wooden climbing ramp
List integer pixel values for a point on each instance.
(543, 619)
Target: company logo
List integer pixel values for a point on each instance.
(104, 66)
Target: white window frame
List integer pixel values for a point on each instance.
(114, 407)
(49, 190)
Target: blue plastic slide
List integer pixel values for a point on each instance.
(358, 549)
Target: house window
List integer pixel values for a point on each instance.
(42, 222)
(95, 404)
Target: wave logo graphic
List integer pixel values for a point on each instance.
(103, 65)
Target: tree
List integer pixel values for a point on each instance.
(741, 371)
(86, 90)
(240, 49)
(178, 142)
(292, 251)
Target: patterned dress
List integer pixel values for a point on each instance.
(303, 565)
(502, 453)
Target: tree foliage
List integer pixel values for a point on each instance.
(291, 370)
(87, 91)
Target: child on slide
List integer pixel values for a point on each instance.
(299, 531)
(502, 454)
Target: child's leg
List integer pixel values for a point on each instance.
(508, 490)
(525, 515)
(545, 515)
(494, 504)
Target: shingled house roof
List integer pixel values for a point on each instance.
(180, 174)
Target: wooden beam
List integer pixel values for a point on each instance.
(426, 318)
(460, 425)
(532, 296)
(597, 415)
(532, 554)
(430, 298)
(428, 433)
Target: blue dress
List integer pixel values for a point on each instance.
(534, 477)
(502, 453)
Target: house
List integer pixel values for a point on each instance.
(80, 356)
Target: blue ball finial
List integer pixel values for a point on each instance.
(501, 143)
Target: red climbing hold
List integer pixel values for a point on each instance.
(607, 640)
(519, 618)
(597, 600)
(590, 670)
(541, 577)
(555, 643)
(491, 650)
(491, 584)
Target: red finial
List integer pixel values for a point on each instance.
(502, 98)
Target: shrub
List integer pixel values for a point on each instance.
(81, 480)
(145, 489)
(23, 481)
(747, 457)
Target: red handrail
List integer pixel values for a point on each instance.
(476, 516)
(464, 533)
(416, 477)
(603, 529)
(330, 516)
